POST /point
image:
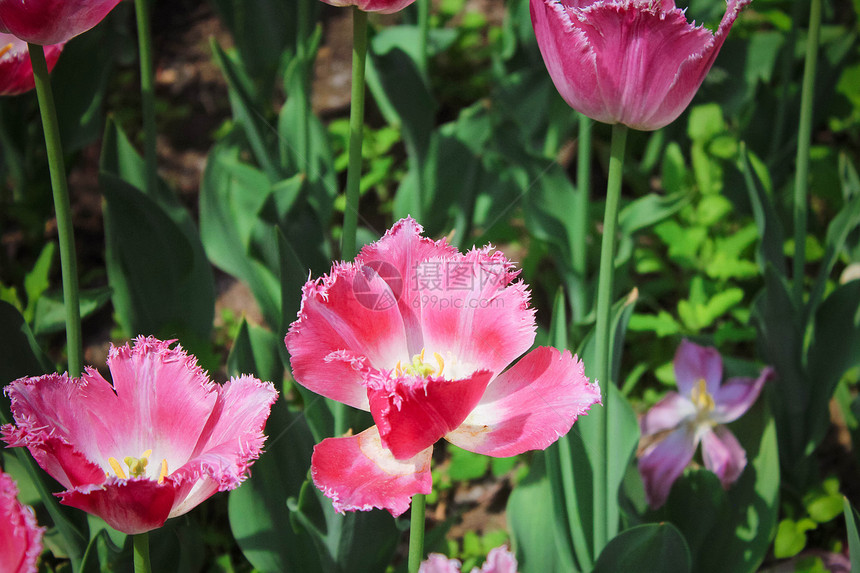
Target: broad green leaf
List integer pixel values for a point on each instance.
(36, 282)
(537, 545)
(649, 548)
(50, 315)
(791, 537)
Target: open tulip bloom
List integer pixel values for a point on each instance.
(694, 415)
(635, 62)
(154, 444)
(420, 335)
(20, 536)
(381, 6)
(16, 71)
(47, 22)
(499, 560)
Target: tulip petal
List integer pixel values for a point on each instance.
(528, 406)
(132, 506)
(349, 321)
(499, 560)
(693, 363)
(358, 473)
(52, 21)
(662, 463)
(438, 563)
(667, 414)
(413, 413)
(736, 396)
(723, 455)
(228, 445)
(164, 395)
(475, 293)
(381, 6)
(20, 535)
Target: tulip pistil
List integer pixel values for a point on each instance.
(421, 368)
(136, 466)
(702, 399)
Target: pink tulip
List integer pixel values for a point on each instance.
(51, 21)
(636, 62)
(154, 444)
(16, 72)
(382, 6)
(420, 335)
(20, 535)
(696, 415)
(499, 560)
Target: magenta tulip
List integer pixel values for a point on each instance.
(20, 536)
(51, 21)
(381, 6)
(422, 337)
(635, 62)
(697, 414)
(154, 444)
(16, 72)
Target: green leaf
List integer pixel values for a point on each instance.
(161, 279)
(466, 465)
(835, 340)
(37, 281)
(255, 351)
(791, 537)
(50, 315)
(853, 536)
(649, 548)
(537, 545)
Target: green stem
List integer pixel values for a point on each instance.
(141, 553)
(416, 532)
(423, 34)
(147, 94)
(62, 206)
(603, 529)
(579, 237)
(356, 129)
(353, 175)
(803, 142)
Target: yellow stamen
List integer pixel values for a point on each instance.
(5, 49)
(163, 472)
(117, 469)
(702, 399)
(440, 362)
(146, 454)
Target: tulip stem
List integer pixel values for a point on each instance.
(803, 141)
(141, 553)
(62, 206)
(423, 35)
(603, 526)
(356, 130)
(416, 532)
(578, 239)
(147, 94)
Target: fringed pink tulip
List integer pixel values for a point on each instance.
(420, 335)
(154, 444)
(499, 560)
(20, 536)
(635, 62)
(16, 72)
(381, 6)
(694, 415)
(51, 21)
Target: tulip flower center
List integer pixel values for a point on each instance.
(702, 399)
(421, 368)
(136, 466)
(5, 49)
